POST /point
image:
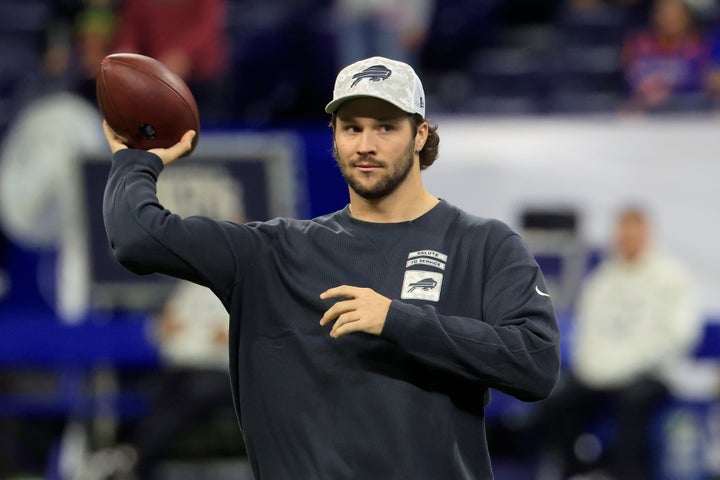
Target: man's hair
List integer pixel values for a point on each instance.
(636, 213)
(429, 152)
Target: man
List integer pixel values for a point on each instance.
(637, 324)
(362, 343)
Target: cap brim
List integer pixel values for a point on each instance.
(333, 106)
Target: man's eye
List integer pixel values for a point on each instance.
(387, 128)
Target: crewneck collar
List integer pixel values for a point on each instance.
(440, 209)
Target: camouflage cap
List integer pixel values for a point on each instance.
(379, 77)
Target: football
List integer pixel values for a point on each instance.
(144, 102)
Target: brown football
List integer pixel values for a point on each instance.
(144, 102)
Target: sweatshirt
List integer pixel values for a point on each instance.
(469, 313)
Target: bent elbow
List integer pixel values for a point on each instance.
(540, 390)
(545, 376)
(130, 255)
(545, 387)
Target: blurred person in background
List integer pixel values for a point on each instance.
(39, 198)
(40, 206)
(637, 323)
(628, 13)
(664, 65)
(188, 36)
(712, 79)
(390, 28)
(191, 386)
(76, 38)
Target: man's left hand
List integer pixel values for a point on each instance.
(363, 310)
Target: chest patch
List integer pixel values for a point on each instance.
(422, 285)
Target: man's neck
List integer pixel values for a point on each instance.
(394, 208)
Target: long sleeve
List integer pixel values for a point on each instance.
(512, 348)
(147, 238)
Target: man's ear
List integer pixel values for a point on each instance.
(421, 136)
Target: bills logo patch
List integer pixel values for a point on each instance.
(422, 285)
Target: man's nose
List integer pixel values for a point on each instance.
(367, 144)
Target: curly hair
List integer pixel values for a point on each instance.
(430, 150)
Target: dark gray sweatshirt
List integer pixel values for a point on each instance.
(468, 313)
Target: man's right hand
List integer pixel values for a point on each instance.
(167, 155)
(114, 140)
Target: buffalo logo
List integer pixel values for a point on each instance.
(424, 284)
(375, 73)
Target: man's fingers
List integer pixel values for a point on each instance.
(362, 309)
(341, 291)
(169, 155)
(114, 140)
(336, 310)
(185, 142)
(346, 323)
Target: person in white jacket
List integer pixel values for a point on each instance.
(637, 320)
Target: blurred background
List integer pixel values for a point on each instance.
(589, 126)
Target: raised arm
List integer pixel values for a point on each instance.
(147, 238)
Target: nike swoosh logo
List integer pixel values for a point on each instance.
(540, 292)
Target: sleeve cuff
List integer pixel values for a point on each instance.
(139, 157)
(399, 320)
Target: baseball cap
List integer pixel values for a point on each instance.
(390, 80)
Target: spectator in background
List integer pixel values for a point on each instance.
(62, 113)
(192, 385)
(712, 79)
(637, 322)
(188, 36)
(630, 13)
(389, 28)
(40, 205)
(193, 340)
(76, 37)
(664, 65)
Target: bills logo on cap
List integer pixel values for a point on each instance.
(375, 73)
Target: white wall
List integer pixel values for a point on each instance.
(496, 167)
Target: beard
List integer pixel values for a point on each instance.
(384, 186)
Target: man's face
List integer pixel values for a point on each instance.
(632, 235)
(374, 146)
